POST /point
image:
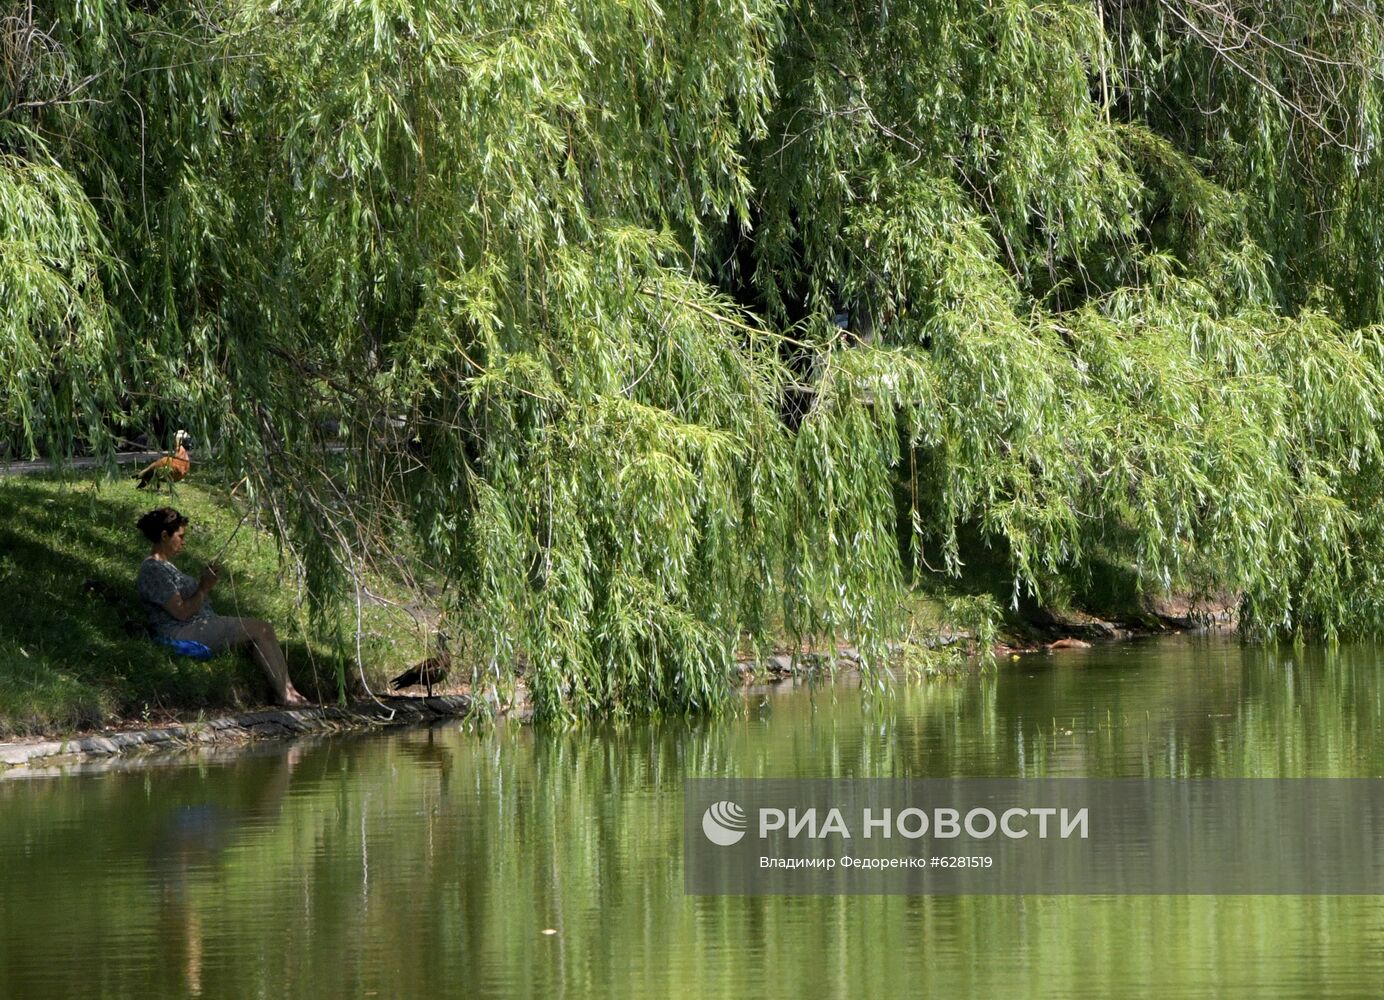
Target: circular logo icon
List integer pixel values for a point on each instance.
(724, 823)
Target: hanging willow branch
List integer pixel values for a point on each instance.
(665, 330)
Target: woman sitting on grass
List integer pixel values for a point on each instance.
(179, 609)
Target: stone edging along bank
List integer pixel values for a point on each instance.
(27, 758)
(21, 758)
(34, 757)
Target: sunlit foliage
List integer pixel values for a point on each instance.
(656, 329)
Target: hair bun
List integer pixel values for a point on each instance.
(154, 523)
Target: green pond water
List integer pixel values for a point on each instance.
(429, 863)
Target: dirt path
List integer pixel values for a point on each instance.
(43, 465)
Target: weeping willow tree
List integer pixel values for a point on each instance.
(655, 328)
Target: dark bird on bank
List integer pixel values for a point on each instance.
(170, 467)
(428, 672)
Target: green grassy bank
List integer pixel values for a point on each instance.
(68, 555)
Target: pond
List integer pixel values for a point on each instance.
(513, 861)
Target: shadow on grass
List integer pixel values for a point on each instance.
(1100, 586)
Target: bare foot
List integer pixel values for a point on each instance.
(293, 699)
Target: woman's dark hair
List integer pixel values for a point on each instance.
(153, 524)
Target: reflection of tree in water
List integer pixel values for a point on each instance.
(1206, 708)
(188, 842)
(1195, 706)
(433, 856)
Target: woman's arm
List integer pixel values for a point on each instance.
(183, 608)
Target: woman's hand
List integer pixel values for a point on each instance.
(183, 608)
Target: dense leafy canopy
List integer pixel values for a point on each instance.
(653, 327)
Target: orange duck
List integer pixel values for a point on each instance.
(170, 467)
